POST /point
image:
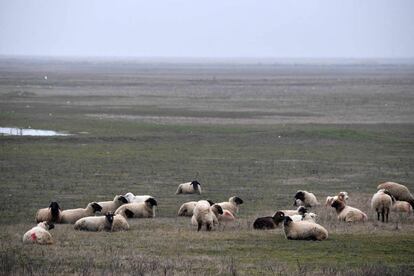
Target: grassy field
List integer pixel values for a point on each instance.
(260, 132)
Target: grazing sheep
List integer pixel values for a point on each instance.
(330, 199)
(111, 206)
(95, 224)
(119, 224)
(264, 223)
(205, 213)
(193, 187)
(381, 202)
(402, 207)
(306, 199)
(50, 214)
(232, 205)
(138, 210)
(186, 210)
(136, 198)
(72, 215)
(300, 211)
(303, 230)
(398, 191)
(347, 213)
(39, 234)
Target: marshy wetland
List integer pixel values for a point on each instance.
(258, 131)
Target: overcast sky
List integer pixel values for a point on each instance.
(210, 28)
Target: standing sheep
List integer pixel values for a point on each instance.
(72, 215)
(111, 206)
(347, 213)
(186, 210)
(305, 198)
(50, 214)
(193, 187)
(398, 191)
(232, 205)
(381, 202)
(39, 234)
(138, 210)
(136, 198)
(304, 230)
(95, 224)
(205, 214)
(264, 223)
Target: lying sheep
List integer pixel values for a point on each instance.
(205, 213)
(136, 198)
(95, 224)
(72, 215)
(232, 205)
(347, 213)
(264, 223)
(119, 224)
(381, 202)
(306, 217)
(39, 234)
(304, 198)
(193, 187)
(303, 230)
(111, 206)
(330, 199)
(50, 214)
(402, 207)
(138, 210)
(186, 210)
(398, 191)
(300, 211)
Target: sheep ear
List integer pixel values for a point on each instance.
(129, 213)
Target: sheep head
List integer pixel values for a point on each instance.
(278, 217)
(96, 207)
(151, 202)
(123, 199)
(299, 195)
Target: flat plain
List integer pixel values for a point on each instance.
(258, 131)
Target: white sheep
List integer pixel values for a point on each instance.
(119, 224)
(136, 198)
(305, 198)
(95, 224)
(347, 213)
(303, 230)
(138, 210)
(300, 211)
(306, 217)
(206, 214)
(39, 234)
(398, 191)
(72, 215)
(50, 214)
(186, 210)
(330, 199)
(381, 202)
(193, 187)
(402, 207)
(232, 205)
(111, 206)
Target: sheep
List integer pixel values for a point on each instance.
(138, 210)
(330, 199)
(303, 230)
(95, 224)
(193, 187)
(232, 205)
(263, 223)
(136, 198)
(205, 213)
(72, 215)
(111, 206)
(402, 207)
(381, 202)
(39, 234)
(305, 198)
(227, 216)
(398, 191)
(306, 217)
(186, 210)
(300, 211)
(347, 213)
(119, 224)
(50, 214)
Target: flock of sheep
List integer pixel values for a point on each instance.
(297, 224)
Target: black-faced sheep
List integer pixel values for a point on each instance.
(95, 224)
(303, 230)
(398, 191)
(264, 223)
(193, 187)
(205, 213)
(305, 198)
(138, 210)
(39, 234)
(232, 205)
(186, 210)
(50, 214)
(72, 215)
(347, 213)
(111, 206)
(381, 202)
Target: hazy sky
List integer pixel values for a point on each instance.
(210, 28)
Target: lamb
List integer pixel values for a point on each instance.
(381, 202)
(72, 215)
(232, 205)
(95, 224)
(111, 206)
(306, 199)
(398, 191)
(136, 198)
(50, 214)
(193, 187)
(303, 230)
(264, 223)
(138, 210)
(347, 213)
(186, 210)
(330, 199)
(206, 214)
(119, 224)
(402, 207)
(39, 234)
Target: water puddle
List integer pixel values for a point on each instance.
(14, 131)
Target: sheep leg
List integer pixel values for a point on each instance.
(199, 226)
(382, 215)
(378, 215)
(208, 226)
(386, 214)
